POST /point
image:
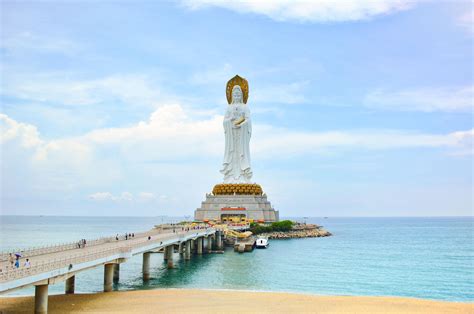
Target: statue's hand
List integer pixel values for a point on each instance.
(239, 121)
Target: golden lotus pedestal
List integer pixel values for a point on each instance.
(236, 203)
(237, 189)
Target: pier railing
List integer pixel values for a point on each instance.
(42, 267)
(30, 252)
(8, 273)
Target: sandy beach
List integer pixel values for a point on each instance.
(212, 301)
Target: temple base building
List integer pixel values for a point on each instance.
(236, 203)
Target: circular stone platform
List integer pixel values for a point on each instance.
(237, 188)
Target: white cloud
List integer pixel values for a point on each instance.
(107, 196)
(289, 143)
(126, 196)
(102, 196)
(466, 143)
(146, 196)
(27, 136)
(171, 133)
(425, 99)
(466, 20)
(171, 152)
(60, 89)
(308, 10)
(28, 42)
(123, 197)
(11, 129)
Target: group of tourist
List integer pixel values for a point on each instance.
(127, 236)
(82, 243)
(193, 228)
(15, 261)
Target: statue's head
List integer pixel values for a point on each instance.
(240, 96)
(237, 95)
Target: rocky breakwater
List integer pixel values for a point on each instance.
(299, 231)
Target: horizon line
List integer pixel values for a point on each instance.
(183, 216)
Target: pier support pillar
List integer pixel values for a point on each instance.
(70, 283)
(181, 248)
(219, 240)
(108, 277)
(199, 246)
(116, 273)
(209, 244)
(169, 251)
(187, 252)
(41, 299)
(193, 246)
(146, 266)
(165, 254)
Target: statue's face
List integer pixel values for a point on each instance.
(237, 96)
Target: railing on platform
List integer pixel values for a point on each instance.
(58, 263)
(30, 252)
(91, 254)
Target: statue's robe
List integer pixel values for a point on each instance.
(236, 165)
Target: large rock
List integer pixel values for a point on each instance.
(311, 231)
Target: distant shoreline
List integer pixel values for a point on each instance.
(232, 301)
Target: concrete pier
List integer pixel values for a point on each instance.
(219, 240)
(41, 299)
(108, 277)
(181, 248)
(169, 252)
(199, 246)
(70, 283)
(187, 252)
(116, 273)
(146, 265)
(245, 245)
(209, 244)
(193, 247)
(107, 253)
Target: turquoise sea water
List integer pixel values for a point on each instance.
(430, 258)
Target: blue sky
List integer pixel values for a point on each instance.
(360, 108)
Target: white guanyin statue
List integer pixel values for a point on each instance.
(238, 130)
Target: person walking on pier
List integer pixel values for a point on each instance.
(17, 262)
(11, 259)
(27, 263)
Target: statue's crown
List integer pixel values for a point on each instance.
(244, 85)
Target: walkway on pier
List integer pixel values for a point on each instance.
(50, 266)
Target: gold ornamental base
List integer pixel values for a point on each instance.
(237, 189)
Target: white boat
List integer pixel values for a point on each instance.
(262, 243)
